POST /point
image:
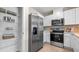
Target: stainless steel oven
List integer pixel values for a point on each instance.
(57, 39)
(57, 34)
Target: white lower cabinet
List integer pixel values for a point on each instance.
(46, 35)
(67, 40)
(72, 44)
(71, 41)
(75, 44)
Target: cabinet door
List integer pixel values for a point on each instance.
(69, 17)
(77, 15)
(47, 21)
(67, 41)
(72, 43)
(76, 44)
(66, 18)
(46, 36)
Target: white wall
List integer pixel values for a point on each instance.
(8, 45)
(19, 40)
(25, 29)
(58, 13)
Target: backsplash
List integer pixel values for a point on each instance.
(48, 28)
(68, 28)
(72, 28)
(76, 29)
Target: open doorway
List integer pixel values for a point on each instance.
(60, 29)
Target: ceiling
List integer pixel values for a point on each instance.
(49, 10)
(45, 10)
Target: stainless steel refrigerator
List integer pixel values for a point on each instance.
(35, 33)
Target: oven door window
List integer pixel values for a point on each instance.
(34, 30)
(57, 38)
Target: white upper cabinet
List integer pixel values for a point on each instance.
(47, 20)
(77, 15)
(69, 17)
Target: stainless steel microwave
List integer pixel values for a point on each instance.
(58, 22)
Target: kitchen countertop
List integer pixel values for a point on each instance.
(72, 33)
(76, 34)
